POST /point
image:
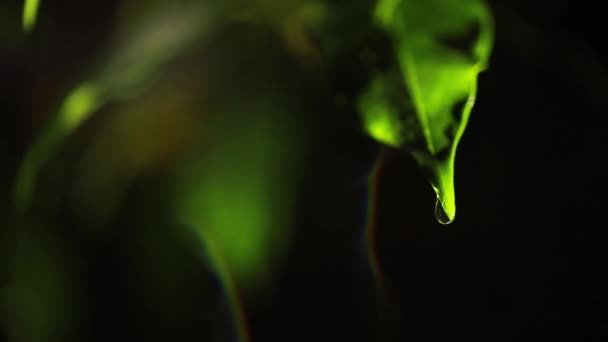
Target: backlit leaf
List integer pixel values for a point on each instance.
(423, 103)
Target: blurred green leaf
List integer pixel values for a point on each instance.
(30, 13)
(147, 38)
(237, 196)
(423, 103)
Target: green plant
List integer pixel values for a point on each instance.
(423, 103)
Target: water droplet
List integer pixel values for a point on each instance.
(440, 213)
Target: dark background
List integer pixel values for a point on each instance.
(524, 258)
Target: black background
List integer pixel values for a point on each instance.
(525, 256)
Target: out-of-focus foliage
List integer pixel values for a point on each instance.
(423, 103)
(83, 101)
(232, 186)
(30, 12)
(143, 42)
(200, 99)
(238, 195)
(42, 298)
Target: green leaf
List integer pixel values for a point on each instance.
(30, 12)
(422, 104)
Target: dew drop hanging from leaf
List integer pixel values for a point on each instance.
(440, 214)
(423, 102)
